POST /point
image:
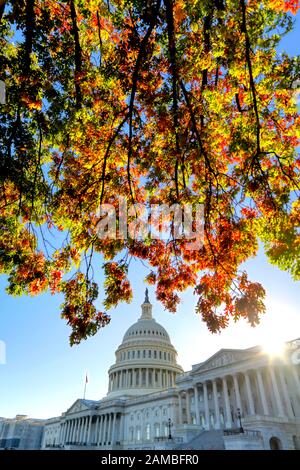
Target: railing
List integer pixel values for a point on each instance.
(166, 438)
(244, 432)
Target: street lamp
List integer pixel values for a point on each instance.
(240, 420)
(170, 424)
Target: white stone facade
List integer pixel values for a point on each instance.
(21, 433)
(152, 404)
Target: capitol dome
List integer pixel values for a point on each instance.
(146, 359)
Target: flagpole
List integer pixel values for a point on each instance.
(85, 382)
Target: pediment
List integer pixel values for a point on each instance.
(77, 406)
(222, 358)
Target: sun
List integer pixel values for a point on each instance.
(274, 347)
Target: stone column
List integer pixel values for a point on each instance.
(249, 394)
(180, 408)
(227, 403)
(206, 407)
(121, 431)
(113, 434)
(133, 381)
(286, 395)
(161, 378)
(262, 392)
(237, 392)
(109, 428)
(100, 430)
(196, 396)
(140, 377)
(104, 438)
(216, 402)
(276, 392)
(147, 377)
(74, 430)
(62, 440)
(89, 430)
(96, 431)
(188, 409)
(68, 430)
(80, 429)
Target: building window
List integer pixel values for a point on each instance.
(154, 354)
(166, 430)
(164, 411)
(144, 353)
(138, 434)
(193, 419)
(148, 432)
(138, 354)
(157, 430)
(128, 355)
(209, 396)
(201, 397)
(149, 353)
(159, 354)
(133, 354)
(202, 420)
(165, 356)
(131, 434)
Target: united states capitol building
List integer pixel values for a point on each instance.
(236, 399)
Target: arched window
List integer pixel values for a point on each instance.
(148, 432)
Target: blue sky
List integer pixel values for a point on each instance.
(43, 375)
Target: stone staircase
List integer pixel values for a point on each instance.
(205, 440)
